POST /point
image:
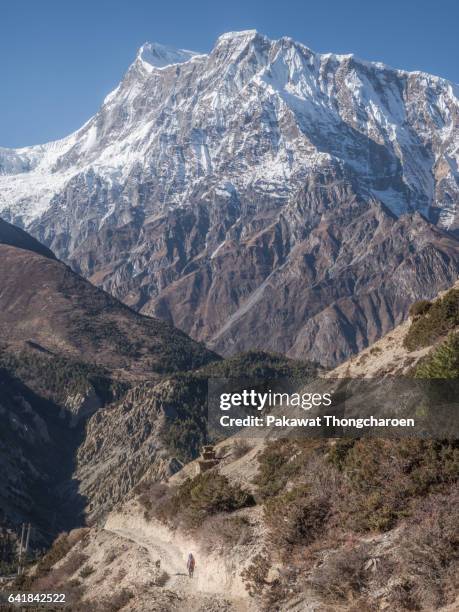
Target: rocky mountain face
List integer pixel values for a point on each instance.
(258, 196)
(69, 351)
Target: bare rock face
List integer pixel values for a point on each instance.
(261, 195)
(122, 444)
(329, 295)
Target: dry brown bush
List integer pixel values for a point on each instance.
(48, 578)
(254, 576)
(77, 535)
(295, 518)
(428, 558)
(342, 576)
(223, 531)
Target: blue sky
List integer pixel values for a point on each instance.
(59, 58)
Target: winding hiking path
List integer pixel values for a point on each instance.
(202, 592)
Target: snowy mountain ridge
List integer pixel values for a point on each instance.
(288, 80)
(260, 195)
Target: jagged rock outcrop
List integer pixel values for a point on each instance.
(123, 443)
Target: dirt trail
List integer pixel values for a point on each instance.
(171, 558)
(203, 591)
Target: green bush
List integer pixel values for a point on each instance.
(420, 308)
(86, 571)
(339, 451)
(443, 362)
(197, 498)
(283, 460)
(381, 478)
(441, 318)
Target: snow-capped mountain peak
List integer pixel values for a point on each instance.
(255, 111)
(155, 55)
(260, 195)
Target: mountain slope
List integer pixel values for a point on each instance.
(210, 187)
(14, 236)
(389, 356)
(339, 524)
(43, 304)
(36, 457)
(67, 351)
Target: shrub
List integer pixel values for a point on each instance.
(226, 531)
(54, 579)
(240, 448)
(428, 560)
(87, 571)
(74, 561)
(120, 599)
(443, 362)
(195, 499)
(74, 592)
(151, 494)
(254, 576)
(61, 546)
(110, 556)
(420, 308)
(295, 517)
(339, 451)
(210, 493)
(441, 318)
(381, 476)
(284, 460)
(343, 575)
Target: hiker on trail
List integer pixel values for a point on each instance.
(190, 565)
